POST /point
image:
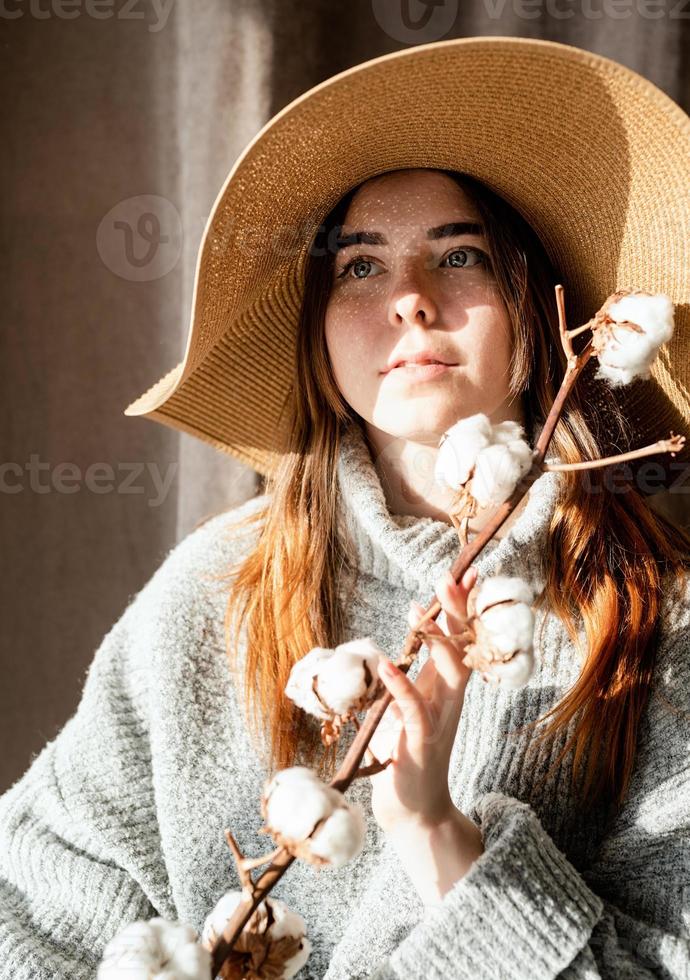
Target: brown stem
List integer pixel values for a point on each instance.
(245, 877)
(351, 763)
(672, 445)
(249, 864)
(563, 331)
(461, 525)
(370, 755)
(372, 769)
(244, 911)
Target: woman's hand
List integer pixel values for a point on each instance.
(419, 726)
(436, 843)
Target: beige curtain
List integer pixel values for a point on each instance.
(119, 130)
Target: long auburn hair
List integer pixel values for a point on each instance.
(607, 552)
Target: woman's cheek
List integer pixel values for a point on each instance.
(352, 364)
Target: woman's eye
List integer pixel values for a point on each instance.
(463, 259)
(356, 263)
(459, 258)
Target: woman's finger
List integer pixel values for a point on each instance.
(453, 597)
(425, 681)
(447, 655)
(387, 732)
(448, 652)
(408, 698)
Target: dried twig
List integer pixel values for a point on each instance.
(672, 446)
(351, 768)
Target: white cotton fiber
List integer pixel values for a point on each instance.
(628, 354)
(488, 459)
(511, 674)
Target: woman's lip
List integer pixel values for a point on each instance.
(420, 372)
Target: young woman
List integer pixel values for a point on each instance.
(497, 847)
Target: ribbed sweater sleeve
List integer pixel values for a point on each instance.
(77, 831)
(523, 911)
(80, 843)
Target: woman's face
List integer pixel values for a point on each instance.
(410, 290)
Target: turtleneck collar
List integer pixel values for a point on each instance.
(412, 552)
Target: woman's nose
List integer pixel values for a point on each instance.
(412, 307)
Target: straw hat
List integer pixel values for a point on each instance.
(593, 155)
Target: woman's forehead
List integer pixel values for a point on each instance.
(410, 196)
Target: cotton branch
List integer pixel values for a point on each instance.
(603, 332)
(672, 446)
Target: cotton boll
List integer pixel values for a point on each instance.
(191, 961)
(458, 450)
(289, 923)
(341, 838)
(502, 627)
(121, 963)
(496, 456)
(495, 476)
(511, 627)
(296, 800)
(328, 683)
(625, 354)
(295, 963)
(155, 950)
(497, 472)
(341, 682)
(511, 674)
(220, 914)
(284, 924)
(130, 953)
(342, 679)
(618, 376)
(285, 921)
(522, 452)
(183, 957)
(508, 432)
(654, 313)
(365, 647)
(299, 687)
(499, 588)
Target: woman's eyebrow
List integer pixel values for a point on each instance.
(449, 230)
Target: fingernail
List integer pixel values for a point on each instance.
(387, 667)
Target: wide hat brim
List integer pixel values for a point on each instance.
(593, 155)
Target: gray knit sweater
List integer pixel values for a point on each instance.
(121, 816)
